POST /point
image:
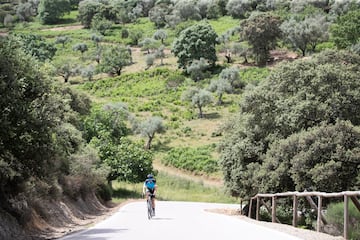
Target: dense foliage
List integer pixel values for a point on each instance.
(50, 11)
(295, 97)
(335, 216)
(195, 42)
(198, 160)
(41, 143)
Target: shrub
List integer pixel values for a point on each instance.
(198, 160)
(335, 216)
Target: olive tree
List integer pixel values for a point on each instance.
(238, 8)
(195, 42)
(101, 24)
(198, 69)
(158, 14)
(220, 86)
(148, 128)
(114, 59)
(81, 47)
(305, 34)
(160, 35)
(198, 98)
(187, 10)
(62, 40)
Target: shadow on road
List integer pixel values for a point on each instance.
(93, 234)
(159, 218)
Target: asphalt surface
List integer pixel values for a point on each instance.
(177, 221)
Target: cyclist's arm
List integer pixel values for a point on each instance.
(144, 189)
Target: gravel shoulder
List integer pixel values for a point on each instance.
(297, 232)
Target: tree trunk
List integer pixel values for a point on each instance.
(200, 111)
(220, 101)
(118, 71)
(148, 144)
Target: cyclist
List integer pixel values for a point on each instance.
(150, 187)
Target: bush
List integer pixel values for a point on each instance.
(198, 160)
(104, 192)
(335, 216)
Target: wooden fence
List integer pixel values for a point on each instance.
(353, 195)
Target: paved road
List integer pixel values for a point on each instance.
(176, 221)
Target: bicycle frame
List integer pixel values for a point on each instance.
(150, 205)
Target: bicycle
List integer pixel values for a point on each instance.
(150, 209)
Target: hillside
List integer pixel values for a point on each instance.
(220, 99)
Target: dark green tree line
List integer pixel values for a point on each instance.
(295, 97)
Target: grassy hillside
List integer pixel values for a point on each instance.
(151, 92)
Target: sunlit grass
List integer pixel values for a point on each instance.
(172, 188)
(223, 24)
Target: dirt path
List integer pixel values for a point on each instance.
(73, 27)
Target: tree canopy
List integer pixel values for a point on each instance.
(261, 30)
(346, 30)
(195, 42)
(50, 11)
(295, 97)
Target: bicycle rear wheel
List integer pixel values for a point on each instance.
(149, 208)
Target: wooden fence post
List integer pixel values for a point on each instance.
(346, 217)
(250, 207)
(273, 209)
(257, 208)
(241, 207)
(318, 224)
(295, 209)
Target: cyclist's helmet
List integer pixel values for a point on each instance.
(150, 176)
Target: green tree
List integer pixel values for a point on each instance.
(198, 69)
(195, 42)
(228, 79)
(220, 86)
(261, 30)
(238, 8)
(158, 14)
(148, 128)
(25, 11)
(37, 46)
(108, 123)
(186, 10)
(135, 35)
(81, 47)
(62, 40)
(148, 44)
(50, 11)
(97, 39)
(313, 158)
(160, 35)
(346, 30)
(100, 24)
(114, 59)
(295, 97)
(65, 69)
(87, 10)
(105, 128)
(306, 34)
(198, 98)
(37, 137)
(128, 161)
